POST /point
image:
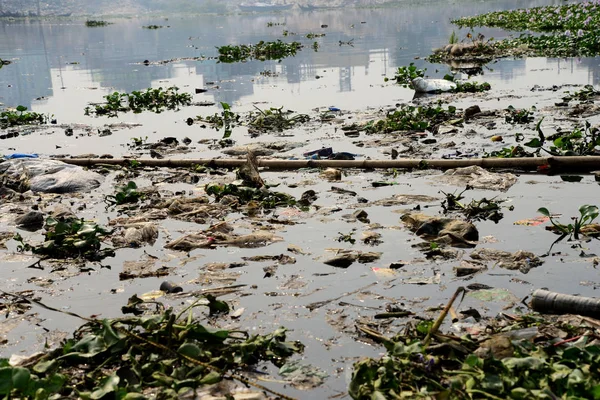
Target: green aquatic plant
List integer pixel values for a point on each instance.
(152, 99)
(152, 26)
(587, 215)
(70, 238)
(96, 23)
(275, 119)
(519, 115)
(245, 195)
(156, 350)
(125, 194)
(405, 74)
(226, 120)
(571, 29)
(346, 237)
(477, 210)
(20, 116)
(587, 93)
(314, 35)
(467, 86)
(578, 142)
(412, 118)
(453, 39)
(261, 51)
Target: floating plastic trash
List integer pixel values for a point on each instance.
(422, 85)
(20, 155)
(324, 152)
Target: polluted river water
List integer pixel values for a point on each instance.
(61, 66)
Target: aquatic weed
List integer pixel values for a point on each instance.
(561, 21)
(411, 118)
(152, 99)
(70, 238)
(96, 23)
(261, 51)
(156, 350)
(20, 116)
(587, 214)
(405, 74)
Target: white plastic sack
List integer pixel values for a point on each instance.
(48, 176)
(422, 85)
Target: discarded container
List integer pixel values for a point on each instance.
(422, 85)
(324, 152)
(20, 155)
(170, 287)
(334, 109)
(548, 302)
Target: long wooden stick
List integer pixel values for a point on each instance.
(438, 322)
(575, 163)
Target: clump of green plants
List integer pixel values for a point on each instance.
(405, 75)
(467, 86)
(314, 35)
(570, 29)
(412, 118)
(476, 210)
(96, 23)
(422, 363)
(125, 194)
(152, 26)
(4, 62)
(138, 141)
(152, 99)
(244, 195)
(275, 119)
(70, 238)
(346, 237)
(587, 93)
(157, 350)
(226, 120)
(510, 152)
(271, 24)
(315, 46)
(582, 225)
(20, 116)
(453, 39)
(261, 51)
(519, 115)
(579, 142)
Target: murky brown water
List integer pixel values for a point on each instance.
(351, 78)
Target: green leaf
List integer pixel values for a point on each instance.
(544, 211)
(134, 396)
(535, 143)
(44, 366)
(6, 384)
(225, 106)
(190, 350)
(21, 108)
(211, 378)
(107, 385)
(20, 378)
(529, 363)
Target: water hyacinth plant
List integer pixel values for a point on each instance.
(572, 28)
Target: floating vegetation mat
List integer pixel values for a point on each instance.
(155, 353)
(512, 357)
(261, 51)
(568, 30)
(20, 116)
(156, 100)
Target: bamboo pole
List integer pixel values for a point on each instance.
(557, 303)
(575, 163)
